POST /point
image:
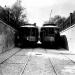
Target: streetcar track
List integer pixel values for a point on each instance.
(9, 57)
(70, 59)
(26, 64)
(18, 63)
(51, 64)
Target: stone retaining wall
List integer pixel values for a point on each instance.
(6, 37)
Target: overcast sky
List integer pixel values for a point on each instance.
(39, 10)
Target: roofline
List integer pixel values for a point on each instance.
(49, 27)
(50, 24)
(29, 26)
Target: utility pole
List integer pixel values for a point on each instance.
(70, 19)
(8, 14)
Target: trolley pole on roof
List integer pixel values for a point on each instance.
(50, 14)
(18, 2)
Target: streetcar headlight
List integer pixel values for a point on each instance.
(56, 32)
(49, 38)
(31, 38)
(52, 39)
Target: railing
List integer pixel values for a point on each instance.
(69, 22)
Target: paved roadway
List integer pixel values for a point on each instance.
(38, 62)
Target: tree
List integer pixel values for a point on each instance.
(60, 21)
(13, 16)
(57, 19)
(4, 14)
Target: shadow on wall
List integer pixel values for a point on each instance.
(70, 34)
(6, 37)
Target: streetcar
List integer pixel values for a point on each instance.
(27, 36)
(50, 37)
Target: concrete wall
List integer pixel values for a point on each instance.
(70, 34)
(6, 37)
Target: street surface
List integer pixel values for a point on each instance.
(38, 61)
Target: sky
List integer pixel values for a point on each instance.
(39, 10)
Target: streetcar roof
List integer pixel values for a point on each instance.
(29, 26)
(50, 27)
(49, 24)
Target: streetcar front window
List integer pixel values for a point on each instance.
(29, 31)
(49, 31)
(33, 31)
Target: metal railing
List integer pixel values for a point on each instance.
(69, 22)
